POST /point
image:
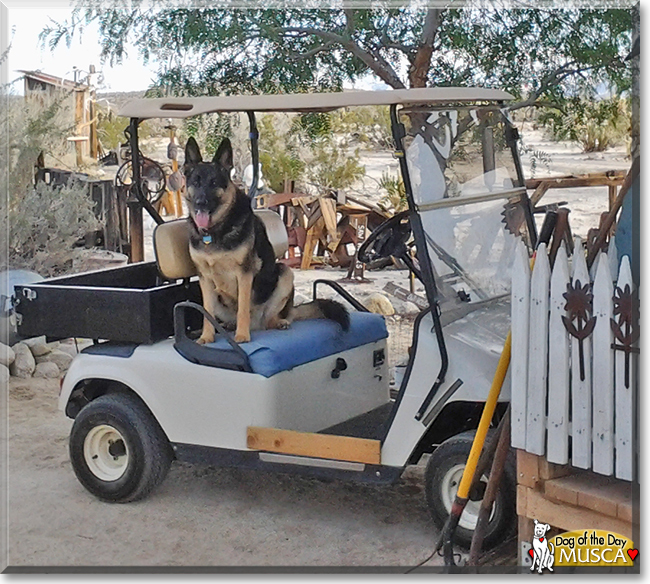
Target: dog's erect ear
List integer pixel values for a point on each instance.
(223, 155)
(192, 152)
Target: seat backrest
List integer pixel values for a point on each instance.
(171, 244)
(172, 248)
(275, 231)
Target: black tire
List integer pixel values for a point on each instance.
(118, 450)
(442, 476)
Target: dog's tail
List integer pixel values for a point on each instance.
(322, 308)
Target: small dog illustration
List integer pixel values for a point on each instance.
(542, 550)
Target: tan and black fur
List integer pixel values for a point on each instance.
(242, 284)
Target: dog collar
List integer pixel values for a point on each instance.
(205, 235)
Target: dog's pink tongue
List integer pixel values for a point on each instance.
(202, 219)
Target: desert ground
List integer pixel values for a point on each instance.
(211, 517)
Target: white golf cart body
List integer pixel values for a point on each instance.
(212, 414)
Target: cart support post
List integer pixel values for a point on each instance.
(137, 201)
(426, 270)
(255, 156)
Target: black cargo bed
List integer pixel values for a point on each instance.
(131, 303)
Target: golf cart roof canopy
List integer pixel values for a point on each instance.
(185, 107)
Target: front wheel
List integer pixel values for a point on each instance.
(118, 450)
(443, 474)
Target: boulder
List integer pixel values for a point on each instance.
(4, 375)
(24, 363)
(7, 355)
(47, 369)
(38, 346)
(69, 348)
(379, 304)
(61, 358)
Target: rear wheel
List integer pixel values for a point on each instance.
(443, 475)
(117, 448)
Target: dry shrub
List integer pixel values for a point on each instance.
(42, 223)
(45, 225)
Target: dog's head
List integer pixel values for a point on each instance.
(540, 529)
(210, 191)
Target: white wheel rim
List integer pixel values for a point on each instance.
(106, 453)
(448, 489)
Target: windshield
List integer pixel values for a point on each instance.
(465, 184)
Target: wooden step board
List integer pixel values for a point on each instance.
(314, 445)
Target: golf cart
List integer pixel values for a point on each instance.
(312, 399)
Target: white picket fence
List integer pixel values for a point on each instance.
(571, 414)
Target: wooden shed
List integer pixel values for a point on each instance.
(79, 99)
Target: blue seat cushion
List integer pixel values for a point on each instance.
(273, 351)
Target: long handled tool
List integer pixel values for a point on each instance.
(462, 495)
(496, 472)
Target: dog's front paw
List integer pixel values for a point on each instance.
(242, 338)
(282, 324)
(205, 339)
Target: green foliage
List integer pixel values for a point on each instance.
(315, 124)
(543, 52)
(594, 124)
(395, 200)
(332, 167)
(209, 130)
(279, 148)
(536, 158)
(289, 152)
(110, 129)
(368, 126)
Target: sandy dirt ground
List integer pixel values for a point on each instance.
(227, 517)
(200, 516)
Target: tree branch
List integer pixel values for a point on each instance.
(313, 52)
(419, 70)
(375, 63)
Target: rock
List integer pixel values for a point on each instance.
(379, 304)
(4, 375)
(47, 369)
(38, 346)
(61, 358)
(69, 349)
(24, 363)
(7, 355)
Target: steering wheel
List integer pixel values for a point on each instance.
(389, 239)
(152, 175)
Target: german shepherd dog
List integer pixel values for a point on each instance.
(242, 284)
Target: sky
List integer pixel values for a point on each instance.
(27, 54)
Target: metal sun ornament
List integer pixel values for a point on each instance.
(513, 217)
(626, 329)
(580, 321)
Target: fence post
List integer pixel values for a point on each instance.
(520, 306)
(603, 370)
(580, 388)
(538, 353)
(558, 358)
(623, 394)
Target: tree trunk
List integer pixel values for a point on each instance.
(419, 70)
